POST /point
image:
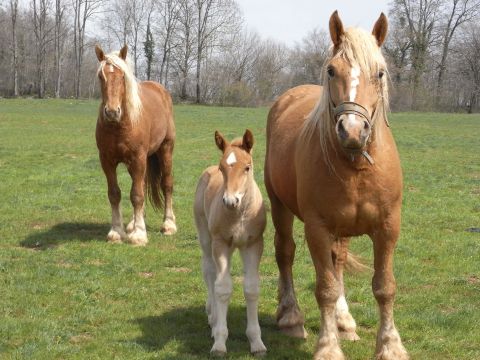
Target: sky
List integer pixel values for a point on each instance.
(290, 20)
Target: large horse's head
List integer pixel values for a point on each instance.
(355, 81)
(118, 85)
(236, 167)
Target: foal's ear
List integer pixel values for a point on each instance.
(123, 52)
(247, 141)
(220, 141)
(380, 29)
(336, 29)
(100, 53)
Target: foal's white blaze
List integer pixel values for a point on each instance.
(231, 159)
(354, 75)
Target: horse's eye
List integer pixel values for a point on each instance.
(247, 168)
(380, 74)
(330, 72)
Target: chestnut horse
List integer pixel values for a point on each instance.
(332, 162)
(229, 213)
(135, 127)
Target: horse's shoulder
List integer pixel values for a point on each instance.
(298, 96)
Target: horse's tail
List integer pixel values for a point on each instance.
(153, 182)
(355, 264)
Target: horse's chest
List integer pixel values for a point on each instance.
(239, 233)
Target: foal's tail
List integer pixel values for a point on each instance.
(355, 264)
(153, 182)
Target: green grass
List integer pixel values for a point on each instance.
(67, 294)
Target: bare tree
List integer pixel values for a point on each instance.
(13, 17)
(213, 18)
(169, 12)
(457, 13)
(60, 34)
(83, 10)
(42, 31)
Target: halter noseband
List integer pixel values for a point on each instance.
(350, 107)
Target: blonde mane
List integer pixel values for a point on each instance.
(360, 49)
(132, 90)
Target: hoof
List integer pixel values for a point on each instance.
(258, 350)
(218, 353)
(329, 352)
(296, 331)
(348, 335)
(115, 237)
(137, 238)
(392, 353)
(168, 227)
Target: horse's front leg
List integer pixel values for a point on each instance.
(251, 289)
(223, 291)
(327, 289)
(117, 232)
(389, 345)
(136, 169)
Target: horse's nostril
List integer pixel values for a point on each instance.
(118, 109)
(340, 125)
(366, 125)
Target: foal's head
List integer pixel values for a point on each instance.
(355, 81)
(236, 167)
(118, 85)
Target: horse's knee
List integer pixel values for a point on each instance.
(384, 289)
(327, 292)
(137, 199)
(223, 289)
(251, 289)
(114, 195)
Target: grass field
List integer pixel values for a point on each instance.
(67, 294)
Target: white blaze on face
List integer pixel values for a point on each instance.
(355, 80)
(231, 159)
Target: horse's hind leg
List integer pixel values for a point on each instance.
(137, 169)
(345, 322)
(251, 289)
(116, 233)
(290, 319)
(165, 155)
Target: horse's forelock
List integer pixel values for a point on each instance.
(132, 96)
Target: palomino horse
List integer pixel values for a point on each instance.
(135, 127)
(331, 161)
(229, 213)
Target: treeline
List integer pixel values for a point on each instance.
(202, 51)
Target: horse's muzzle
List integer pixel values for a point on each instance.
(231, 201)
(112, 114)
(352, 131)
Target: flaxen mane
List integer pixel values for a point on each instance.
(360, 49)
(132, 97)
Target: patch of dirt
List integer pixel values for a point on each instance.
(81, 338)
(179, 269)
(146, 275)
(473, 279)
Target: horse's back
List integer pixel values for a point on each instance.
(284, 124)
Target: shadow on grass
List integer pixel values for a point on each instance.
(184, 332)
(66, 232)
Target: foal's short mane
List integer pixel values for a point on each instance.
(132, 96)
(360, 49)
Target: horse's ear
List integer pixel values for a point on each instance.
(380, 29)
(220, 141)
(336, 29)
(247, 142)
(123, 52)
(100, 53)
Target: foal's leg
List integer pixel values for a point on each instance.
(289, 317)
(345, 322)
(116, 233)
(208, 265)
(137, 169)
(165, 155)
(327, 289)
(389, 344)
(251, 289)
(223, 291)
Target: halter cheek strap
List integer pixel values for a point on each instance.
(350, 107)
